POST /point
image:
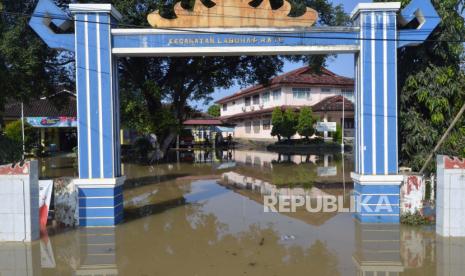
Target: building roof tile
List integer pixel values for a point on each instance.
(64, 106)
(302, 76)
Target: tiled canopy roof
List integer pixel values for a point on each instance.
(333, 104)
(302, 76)
(43, 108)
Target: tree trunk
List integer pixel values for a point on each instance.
(167, 141)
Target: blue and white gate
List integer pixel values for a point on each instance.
(97, 43)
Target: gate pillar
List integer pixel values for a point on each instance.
(100, 182)
(376, 179)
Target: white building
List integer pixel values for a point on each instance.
(250, 109)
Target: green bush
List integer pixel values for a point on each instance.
(13, 131)
(415, 219)
(337, 136)
(10, 150)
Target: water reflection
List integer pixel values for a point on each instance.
(199, 227)
(378, 249)
(204, 216)
(279, 169)
(97, 252)
(20, 259)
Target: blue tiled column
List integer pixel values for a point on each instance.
(100, 203)
(99, 183)
(376, 144)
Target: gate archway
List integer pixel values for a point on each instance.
(374, 39)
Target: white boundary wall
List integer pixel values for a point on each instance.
(19, 202)
(450, 203)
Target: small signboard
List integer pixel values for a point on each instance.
(45, 122)
(326, 171)
(326, 126)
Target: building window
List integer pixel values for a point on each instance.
(348, 94)
(225, 107)
(326, 90)
(234, 102)
(301, 93)
(248, 126)
(256, 126)
(256, 99)
(265, 97)
(247, 101)
(267, 124)
(277, 95)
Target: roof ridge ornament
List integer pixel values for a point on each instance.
(231, 14)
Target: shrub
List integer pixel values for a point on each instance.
(337, 136)
(415, 219)
(13, 131)
(10, 150)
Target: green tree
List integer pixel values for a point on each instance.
(214, 110)
(289, 124)
(277, 120)
(150, 83)
(151, 88)
(28, 68)
(432, 88)
(305, 123)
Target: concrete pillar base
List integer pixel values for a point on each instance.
(100, 201)
(377, 198)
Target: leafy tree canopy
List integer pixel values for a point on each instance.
(28, 68)
(432, 88)
(290, 121)
(277, 120)
(214, 110)
(305, 122)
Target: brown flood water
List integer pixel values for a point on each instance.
(204, 216)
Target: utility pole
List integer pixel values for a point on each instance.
(22, 129)
(343, 122)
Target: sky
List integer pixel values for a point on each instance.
(342, 64)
